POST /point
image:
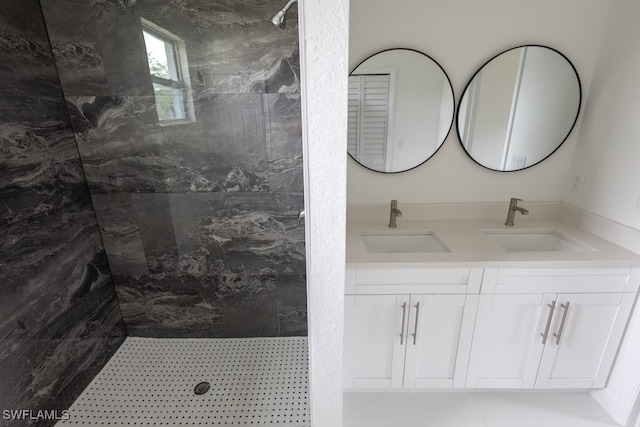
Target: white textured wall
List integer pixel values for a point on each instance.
(461, 35)
(323, 54)
(609, 154)
(609, 148)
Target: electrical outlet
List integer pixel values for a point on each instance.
(578, 182)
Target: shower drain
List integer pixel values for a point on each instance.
(202, 388)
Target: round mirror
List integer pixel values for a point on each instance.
(519, 108)
(400, 110)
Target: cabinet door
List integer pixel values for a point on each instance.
(440, 331)
(374, 347)
(507, 345)
(589, 338)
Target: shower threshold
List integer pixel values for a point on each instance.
(156, 381)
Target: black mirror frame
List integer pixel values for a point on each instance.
(563, 139)
(453, 113)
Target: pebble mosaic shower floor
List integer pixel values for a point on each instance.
(151, 382)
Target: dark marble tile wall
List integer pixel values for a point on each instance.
(199, 217)
(59, 317)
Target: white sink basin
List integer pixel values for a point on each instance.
(537, 241)
(402, 243)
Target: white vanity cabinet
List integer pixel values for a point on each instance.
(501, 328)
(549, 328)
(409, 328)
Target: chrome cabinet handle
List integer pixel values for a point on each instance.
(301, 216)
(544, 335)
(564, 318)
(415, 328)
(404, 311)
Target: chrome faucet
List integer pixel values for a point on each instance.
(395, 212)
(513, 208)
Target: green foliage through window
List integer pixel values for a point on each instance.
(168, 84)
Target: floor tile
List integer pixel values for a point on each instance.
(538, 405)
(576, 421)
(410, 406)
(153, 382)
(398, 422)
(492, 409)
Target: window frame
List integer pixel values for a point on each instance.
(178, 65)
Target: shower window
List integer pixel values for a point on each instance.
(167, 59)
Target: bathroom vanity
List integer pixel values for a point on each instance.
(461, 303)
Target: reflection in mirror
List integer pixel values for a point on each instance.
(519, 108)
(167, 58)
(400, 110)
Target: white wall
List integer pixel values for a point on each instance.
(461, 35)
(609, 153)
(323, 58)
(609, 147)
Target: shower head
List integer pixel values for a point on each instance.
(280, 18)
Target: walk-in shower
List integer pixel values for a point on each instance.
(152, 176)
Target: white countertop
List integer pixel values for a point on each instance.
(471, 247)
